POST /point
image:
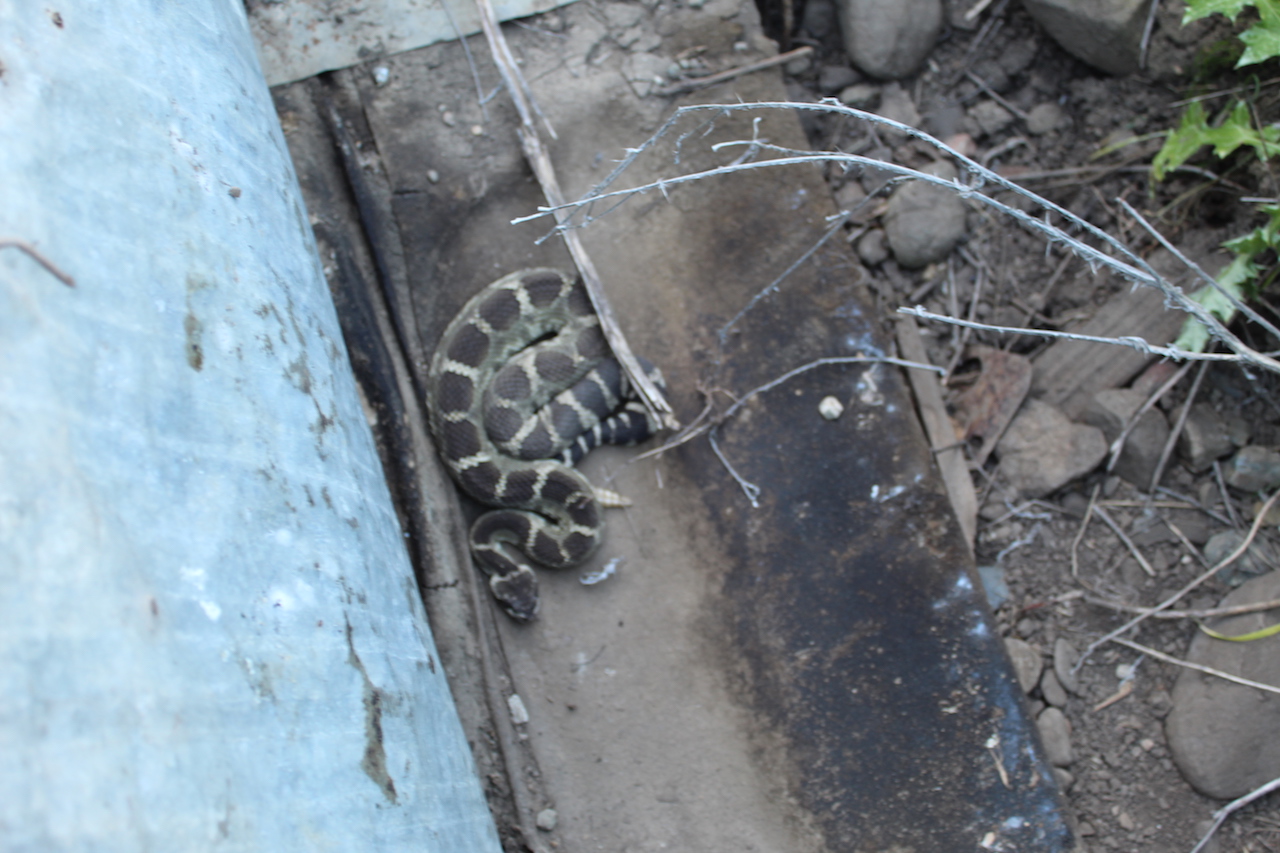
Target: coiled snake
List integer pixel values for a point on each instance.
(522, 386)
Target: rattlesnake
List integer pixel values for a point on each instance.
(521, 386)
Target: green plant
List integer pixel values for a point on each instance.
(1232, 129)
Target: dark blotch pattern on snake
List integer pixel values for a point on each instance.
(521, 387)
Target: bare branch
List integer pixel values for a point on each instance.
(1173, 599)
(35, 255)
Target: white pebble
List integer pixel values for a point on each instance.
(830, 408)
(381, 74)
(519, 713)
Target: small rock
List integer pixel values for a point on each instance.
(963, 144)
(799, 65)
(849, 195)
(519, 713)
(1064, 658)
(1126, 821)
(873, 178)
(1204, 438)
(1055, 734)
(1064, 779)
(1041, 450)
(924, 222)
(547, 820)
(872, 248)
(1104, 33)
(1052, 690)
(1027, 662)
(889, 38)
(818, 18)
(896, 105)
(1110, 410)
(860, 96)
(1240, 430)
(830, 408)
(1046, 118)
(990, 117)
(1223, 735)
(1258, 559)
(995, 586)
(836, 78)
(1074, 504)
(1253, 469)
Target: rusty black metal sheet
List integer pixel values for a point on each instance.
(861, 631)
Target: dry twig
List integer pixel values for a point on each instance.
(1235, 805)
(1128, 543)
(1173, 599)
(1207, 670)
(540, 161)
(35, 255)
(696, 83)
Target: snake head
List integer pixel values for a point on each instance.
(517, 592)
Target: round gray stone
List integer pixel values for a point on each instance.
(1055, 734)
(1027, 662)
(1223, 735)
(923, 222)
(889, 39)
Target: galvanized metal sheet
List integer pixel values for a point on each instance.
(210, 634)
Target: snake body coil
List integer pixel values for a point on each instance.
(521, 386)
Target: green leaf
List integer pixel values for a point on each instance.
(1182, 143)
(1197, 9)
(1262, 41)
(1194, 336)
(1239, 279)
(1260, 634)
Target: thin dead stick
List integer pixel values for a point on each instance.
(1187, 543)
(933, 412)
(751, 490)
(976, 10)
(1195, 504)
(1172, 441)
(1146, 34)
(1128, 543)
(1118, 445)
(1200, 273)
(1173, 599)
(471, 60)
(712, 79)
(979, 274)
(977, 177)
(1208, 670)
(1226, 496)
(1207, 613)
(1140, 344)
(34, 254)
(540, 161)
(1235, 805)
(836, 225)
(1084, 525)
(995, 96)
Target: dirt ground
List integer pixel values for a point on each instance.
(1123, 789)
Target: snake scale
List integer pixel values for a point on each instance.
(521, 387)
